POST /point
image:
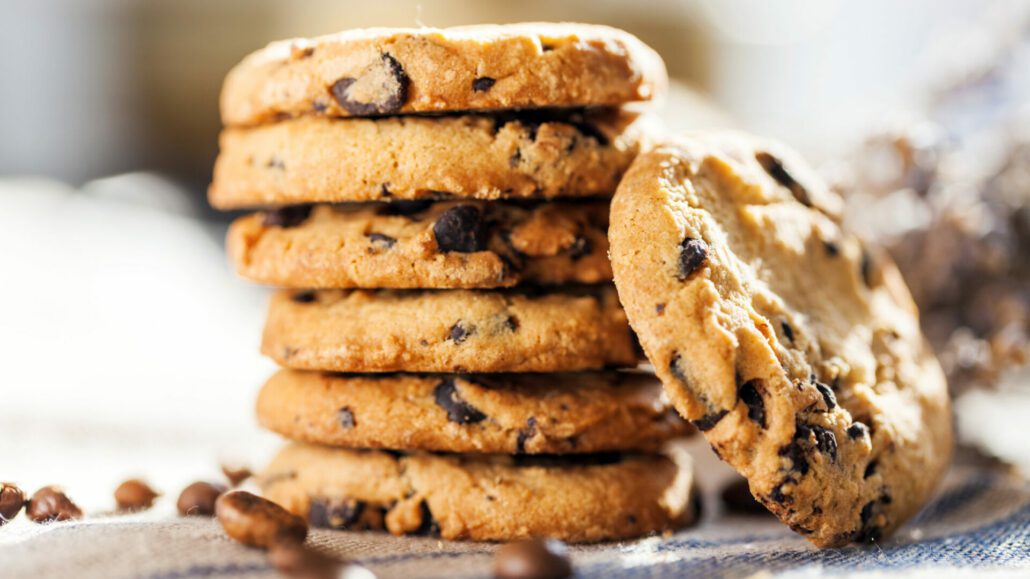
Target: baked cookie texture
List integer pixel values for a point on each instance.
(502, 413)
(449, 330)
(383, 71)
(513, 155)
(424, 245)
(582, 498)
(792, 345)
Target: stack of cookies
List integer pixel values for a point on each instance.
(436, 212)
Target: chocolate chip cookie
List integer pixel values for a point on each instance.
(518, 155)
(424, 245)
(792, 345)
(384, 71)
(580, 498)
(499, 413)
(449, 330)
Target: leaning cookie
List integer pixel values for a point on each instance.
(382, 71)
(423, 245)
(500, 413)
(582, 498)
(794, 347)
(522, 155)
(449, 330)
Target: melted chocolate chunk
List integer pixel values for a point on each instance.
(447, 397)
(693, 254)
(483, 84)
(460, 332)
(580, 248)
(525, 434)
(339, 515)
(750, 394)
(381, 89)
(289, 216)
(461, 228)
(304, 297)
(774, 167)
(346, 417)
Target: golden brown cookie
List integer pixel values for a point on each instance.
(794, 347)
(581, 498)
(384, 71)
(423, 245)
(524, 155)
(449, 331)
(497, 413)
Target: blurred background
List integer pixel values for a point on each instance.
(128, 346)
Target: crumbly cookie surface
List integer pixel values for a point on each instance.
(583, 498)
(794, 347)
(453, 244)
(521, 155)
(382, 71)
(449, 330)
(503, 413)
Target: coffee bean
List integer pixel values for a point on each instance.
(339, 515)
(693, 254)
(286, 217)
(198, 499)
(346, 417)
(483, 84)
(256, 521)
(460, 229)
(532, 559)
(51, 504)
(750, 395)
(134, 495)
(380, 89)
(738, 498)
(447, 397)
(774, 167)
(236, 475)
(12, 499)
(460, 332)
(293, 559)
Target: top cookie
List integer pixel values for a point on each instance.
(794, 348)
(383, 71)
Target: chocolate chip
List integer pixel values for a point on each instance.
(659, 309)
(428, 526)
(832, 249)
(304, 297)
(290, 216)
(380, 241)
(738, 498)
(256, 521)
(319, 105)
(513, 161)
(525, 434)
(460, 332)
(870, 468)
(460, 229)
(532, 559)
(380, 89)
(134, 495)
(867, 533)
(346, 417)
(512, 323)
(865, 267)
(236, 475)
(405, 207)
(384, 191)
(339, 515)
(787, 330)
(777, 496)
(712, 414)
(198, 499)
(750, 394)
(276, 162)
(51, 504)
(12, 499)
(580, 248)
(447, 397)
(858, 430)
(483, 84)
(825, 440)
(828, 396)
(774, 167)
(708, 422)
(693, 254)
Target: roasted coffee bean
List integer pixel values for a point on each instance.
(380, 89)
(51, 504)
(483, 84)
(460, 229)
(460, 332)
(693, 254)
(289, 216)
(12, 499)
(774, 167)
(346, 416)
(750, 394)
(257, 522)
(447, 397)
(198, 499)
(236, 475)
(532, 559)
(293, 559)
(134, 495)
(738, 498)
